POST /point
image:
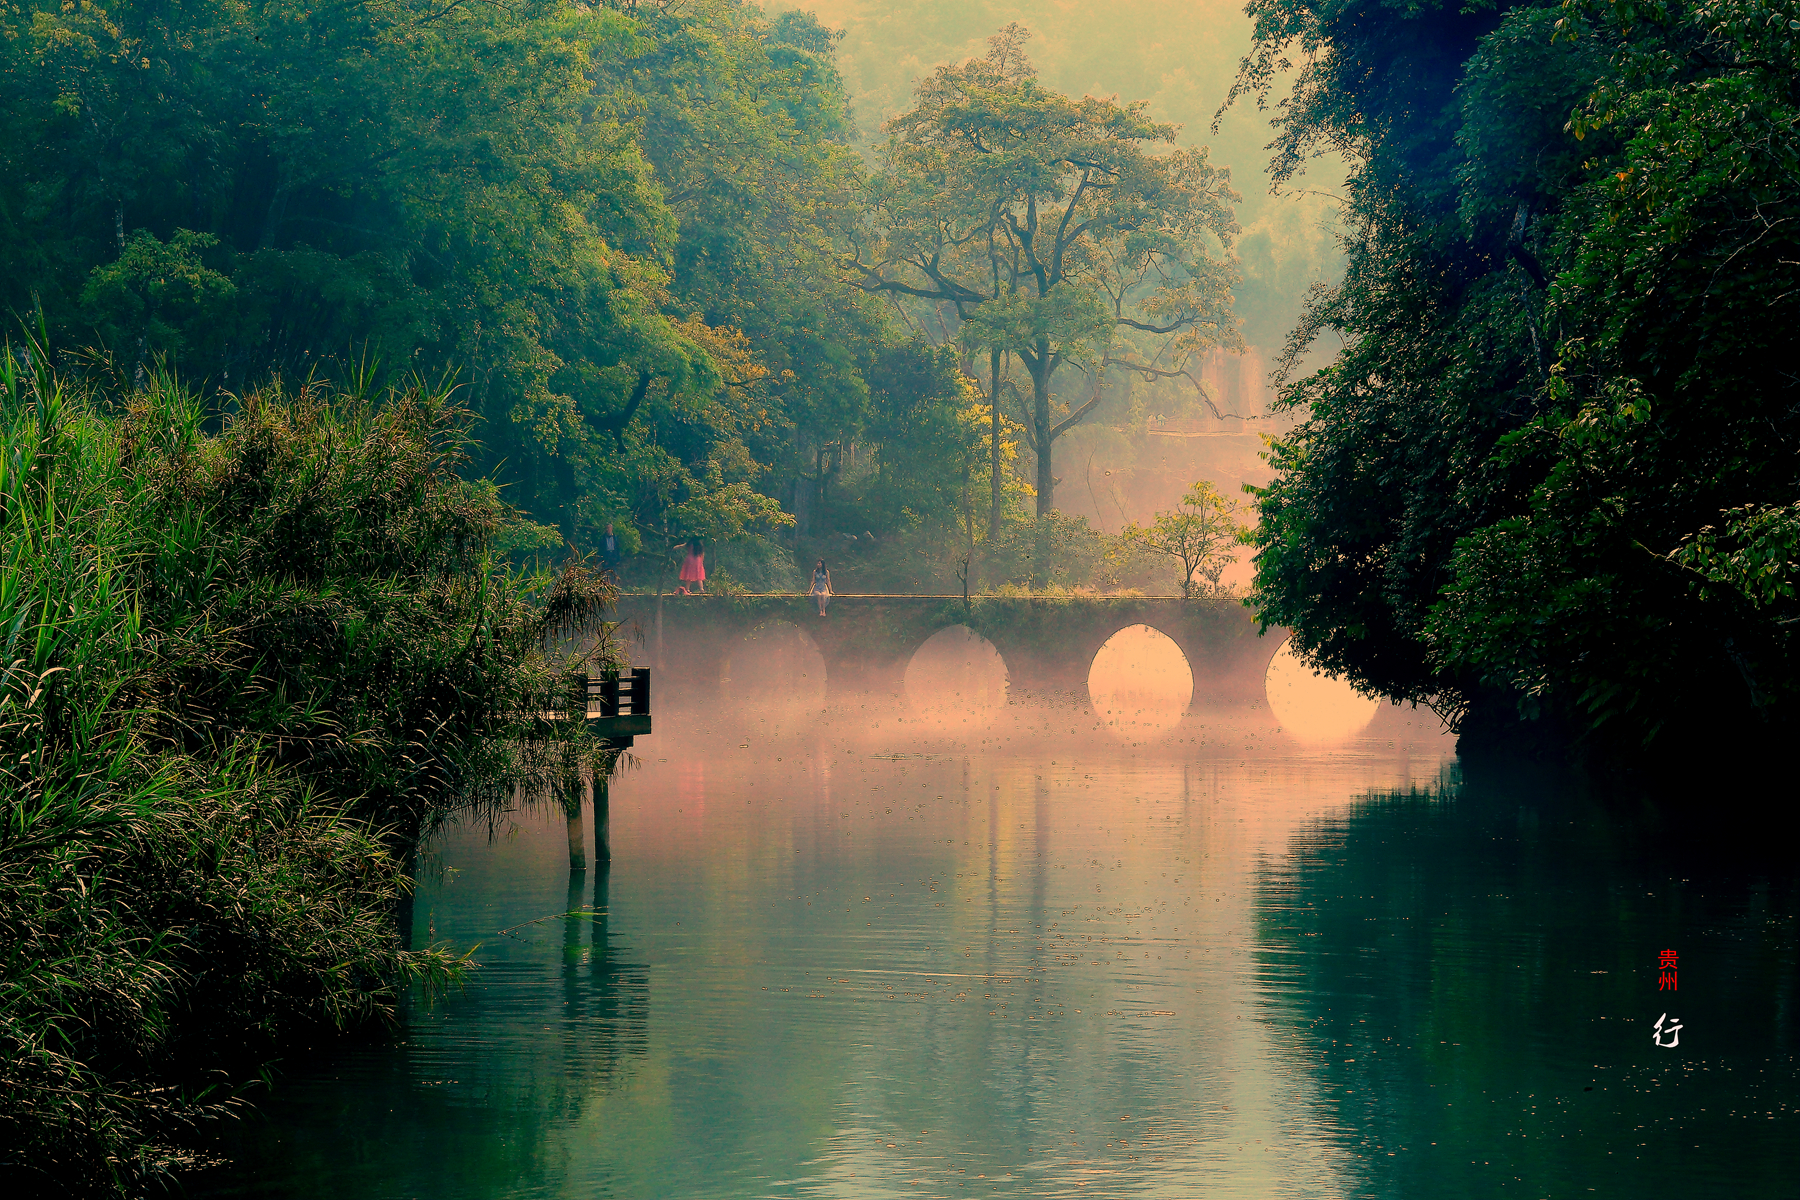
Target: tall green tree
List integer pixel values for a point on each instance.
(928, 429)
(748, 128)
(1049, 226)
(1542, 487)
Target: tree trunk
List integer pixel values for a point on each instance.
(968, 516)
(275, 214)
(994, 442)
(566, 497)
(1041, 427)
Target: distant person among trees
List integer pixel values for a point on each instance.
(609, 552)
(693, 569)
(821, 586)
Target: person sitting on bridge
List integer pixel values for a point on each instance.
(821, 586)
(693, 568)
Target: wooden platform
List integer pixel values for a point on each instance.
(620, 730)
(618, 705)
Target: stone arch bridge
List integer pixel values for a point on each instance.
(1047, 642)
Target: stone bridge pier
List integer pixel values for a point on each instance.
(1048, 643)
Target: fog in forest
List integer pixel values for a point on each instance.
(1181, 58)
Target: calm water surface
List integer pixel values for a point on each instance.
(870, 959)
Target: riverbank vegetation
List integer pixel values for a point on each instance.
(242, 670)
(1549, 485)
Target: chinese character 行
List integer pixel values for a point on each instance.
(1673, 1030)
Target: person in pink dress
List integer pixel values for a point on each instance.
(693, 569)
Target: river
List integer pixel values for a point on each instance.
(847, 954)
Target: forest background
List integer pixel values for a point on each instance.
(1531, 459)
(623, 230)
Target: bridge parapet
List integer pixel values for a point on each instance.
(1048, 642)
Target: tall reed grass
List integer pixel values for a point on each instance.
(240, 672)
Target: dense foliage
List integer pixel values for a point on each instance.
(239, 671)
(1551, 478)
(628, 229)
(541, 196)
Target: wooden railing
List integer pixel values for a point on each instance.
(618, 704)
(618, 693)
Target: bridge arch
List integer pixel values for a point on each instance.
(1140, 683)
(1048, 643)
(1312, 707)
(956, 674)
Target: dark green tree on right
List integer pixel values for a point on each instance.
(1549, 487)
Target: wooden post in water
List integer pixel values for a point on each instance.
(571, 793)
(598, 780)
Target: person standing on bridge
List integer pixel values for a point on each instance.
(693, 568)
(821, 586)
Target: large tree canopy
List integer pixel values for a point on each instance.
(1053, 230)
(519, 194)
(1551, 478)
(621, 229)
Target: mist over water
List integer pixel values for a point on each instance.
(957, 678)
(1140, 683)
(777, 669)
(957, 941)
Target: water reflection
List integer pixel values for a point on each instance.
(464, 1102)
(908, 967)
(1468, 977)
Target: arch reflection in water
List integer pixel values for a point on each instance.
(1314, 707)
(958, 676)
(1140, 682)
(778, 666)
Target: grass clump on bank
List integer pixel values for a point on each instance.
(239, 674)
